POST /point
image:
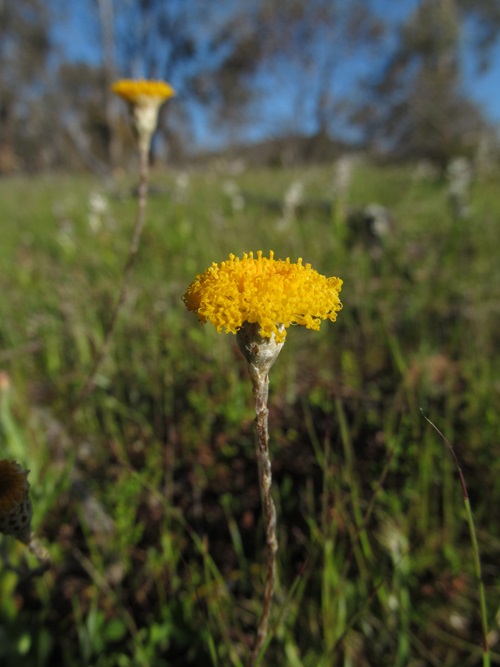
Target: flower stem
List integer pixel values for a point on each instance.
(260, 386)
(89, 383)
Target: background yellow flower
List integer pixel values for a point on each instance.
(144, 99)
(143, 91)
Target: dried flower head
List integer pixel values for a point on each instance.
(15, 504)
(271, 293)
(144, 99)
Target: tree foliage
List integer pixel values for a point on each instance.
(417, 106)
(24, 48)
(287, 67)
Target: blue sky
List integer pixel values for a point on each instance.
(79, 40)
(484, 89)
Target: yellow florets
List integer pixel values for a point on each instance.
(142, 91)
(272, 293)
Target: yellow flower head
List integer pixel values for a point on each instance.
(143, 92)
(271, 293)
(15, 504)
(144, 99)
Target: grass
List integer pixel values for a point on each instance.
(148, 498)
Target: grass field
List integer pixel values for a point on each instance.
(147, 497)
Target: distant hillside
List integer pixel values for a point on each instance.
(283, 151)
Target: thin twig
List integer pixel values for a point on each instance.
(475, 546)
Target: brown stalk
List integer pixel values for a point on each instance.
(260, 387)
(89, 383)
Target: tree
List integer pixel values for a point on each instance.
(228, 58)
(288, 67)
(485, 16)
(24, 47)
(417, 107)
(206, 50)
(107, 25)
(312, 47)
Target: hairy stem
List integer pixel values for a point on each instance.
(89, 383)
(260, 384)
